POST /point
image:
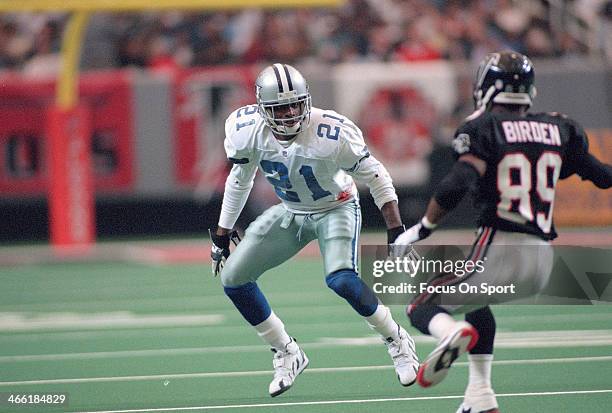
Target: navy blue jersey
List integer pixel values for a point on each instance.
(525, 156)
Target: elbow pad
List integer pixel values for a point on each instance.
(456, 184)
(372, 173)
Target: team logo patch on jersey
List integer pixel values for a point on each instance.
(461, 144)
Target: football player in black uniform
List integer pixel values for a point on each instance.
(512, 159)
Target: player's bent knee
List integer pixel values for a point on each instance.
(421, 315)
(250, 302)
(347, 284)
(232, 279)
(484, 322)
(343, 282)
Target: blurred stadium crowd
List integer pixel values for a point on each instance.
(360, 30)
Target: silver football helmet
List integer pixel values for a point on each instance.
(277, 87)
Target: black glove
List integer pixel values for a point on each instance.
(220, 249)
(413, 234)
(393, 233)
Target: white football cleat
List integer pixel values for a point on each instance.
(435, 367)
(404, 357)
(287, 365)
(468, 409)
(480, 400)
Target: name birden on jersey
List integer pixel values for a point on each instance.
(529, 131)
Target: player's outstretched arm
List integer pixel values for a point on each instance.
(393, 221)
(238, 186)
(594, 170)
(581, 162)
(422, 229)
(451, 190)
(369, 171)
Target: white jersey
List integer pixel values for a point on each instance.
(312, 174)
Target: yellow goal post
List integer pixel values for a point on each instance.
(68, 123)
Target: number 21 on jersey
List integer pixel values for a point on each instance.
(282, 185)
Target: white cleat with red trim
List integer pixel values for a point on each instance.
(435, 367)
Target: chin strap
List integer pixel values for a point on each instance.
(484, 101)
(290, 130)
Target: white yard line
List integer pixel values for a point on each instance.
(57, 331)
(531, 339)
(19, 321)
(332, 402)
(167, 377)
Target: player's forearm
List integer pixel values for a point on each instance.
(597, 172)
(238, 186)
(222, 231)
(454, 186)
(234, 200)
(435, 212)
(391, 215)
(372, 173)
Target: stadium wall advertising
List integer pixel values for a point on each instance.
(24, 108)
(177, 151)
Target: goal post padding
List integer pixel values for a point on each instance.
(71, 191)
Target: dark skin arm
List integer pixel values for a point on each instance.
(391, 215)
(598, 172)
(434, 211)
(222, 231)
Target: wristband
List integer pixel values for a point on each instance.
(428, 224)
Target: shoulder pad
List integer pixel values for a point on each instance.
(477, 118)
(240, 132)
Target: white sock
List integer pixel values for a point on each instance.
(272, 331)
(382, 322)
(480, 370)
(441, 325)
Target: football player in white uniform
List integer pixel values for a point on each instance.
(311, 157)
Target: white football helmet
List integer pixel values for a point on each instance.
(280, 85)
